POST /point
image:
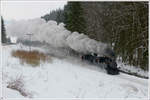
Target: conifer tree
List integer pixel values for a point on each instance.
(3, 32)
(74, 19)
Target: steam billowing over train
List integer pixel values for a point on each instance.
(58, 36)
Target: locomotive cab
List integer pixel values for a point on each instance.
(111, 67)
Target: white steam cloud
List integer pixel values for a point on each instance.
(55, 35)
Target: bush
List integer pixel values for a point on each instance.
(30, 57)
(18, 85)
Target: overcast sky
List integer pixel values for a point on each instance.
(18, 10)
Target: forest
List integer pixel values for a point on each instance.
(123, 25)
(75, 50)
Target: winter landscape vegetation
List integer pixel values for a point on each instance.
(57, 54)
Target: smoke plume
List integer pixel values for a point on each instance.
(56, 35)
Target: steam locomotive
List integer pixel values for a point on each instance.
(111, 65)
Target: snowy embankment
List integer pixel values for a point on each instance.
(133, 70)
(62, 78)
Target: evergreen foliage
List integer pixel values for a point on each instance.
(57, 15)
(3, 31)
(74, 19)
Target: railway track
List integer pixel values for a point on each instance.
(133, 74)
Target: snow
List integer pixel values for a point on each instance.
(0, 71)
(13, 39)
(12, 93)
(63, 78)
(132, 69)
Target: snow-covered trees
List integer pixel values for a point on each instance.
(3, 31)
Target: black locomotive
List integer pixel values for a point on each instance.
(111, 67)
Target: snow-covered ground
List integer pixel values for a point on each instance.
(132, 69)
(62, 78)
(0, 71)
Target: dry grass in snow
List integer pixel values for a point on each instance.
(30, 57)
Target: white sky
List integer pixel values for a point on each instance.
(17, 10)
